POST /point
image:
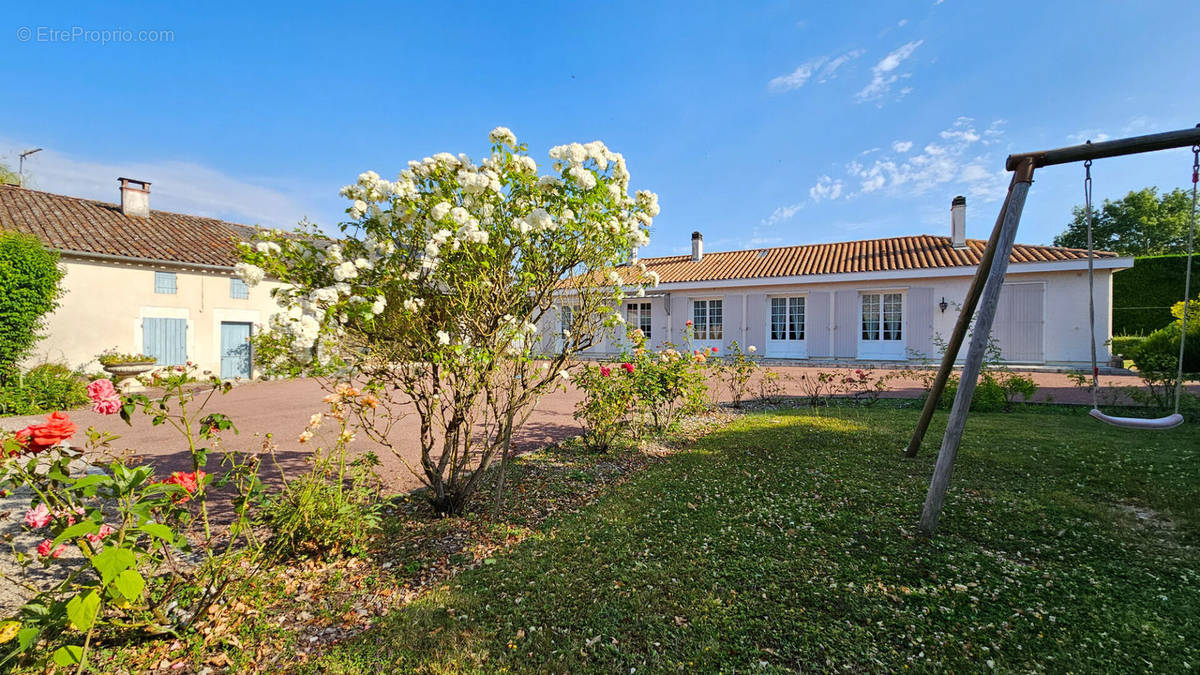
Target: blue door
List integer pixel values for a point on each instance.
(235, 350)
(165, 340)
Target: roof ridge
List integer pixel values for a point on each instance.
(114, 205)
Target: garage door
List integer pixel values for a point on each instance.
(1020, 323)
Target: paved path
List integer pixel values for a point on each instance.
(283, 408)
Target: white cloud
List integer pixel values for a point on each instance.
(902, 146)
(798, 77)
(783, 213)
(901, 23)
(823, 68)
(830, 70)
(1093, 135)
(826, 188)
(951, 160)
(179, 186)
(883, 74)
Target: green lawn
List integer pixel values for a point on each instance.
(786, 542)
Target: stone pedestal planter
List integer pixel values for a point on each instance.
(127, 374)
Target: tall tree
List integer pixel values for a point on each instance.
(1140, 223)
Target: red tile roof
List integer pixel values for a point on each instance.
(874, 255)
(90, 226)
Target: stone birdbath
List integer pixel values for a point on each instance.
(127, 372)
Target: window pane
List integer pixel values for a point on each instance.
(700, 319)
(796, 318)
(778, 318)
(238, 289)
(892, 315)
(644, 321)
(715, 321)
(870, 317)
(566, 312)
(164, 282)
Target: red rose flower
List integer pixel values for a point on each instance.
(37, 438)
(628, 367)
(605, 371)
(189, 481)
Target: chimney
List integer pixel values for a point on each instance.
(697, 247)
(135, 197)
(958, 222)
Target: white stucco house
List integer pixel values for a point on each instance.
(879, 300)
(141, 280)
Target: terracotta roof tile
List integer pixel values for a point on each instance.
(90, 226)
(873, 255)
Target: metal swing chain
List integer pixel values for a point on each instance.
(1187, 279)
(1087, 200)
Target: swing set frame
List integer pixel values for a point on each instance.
(983, 296)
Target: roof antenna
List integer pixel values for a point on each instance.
(21, 166)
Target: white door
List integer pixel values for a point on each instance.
(881, 321)
(1019, 324)
(708, 323)
(785, 328)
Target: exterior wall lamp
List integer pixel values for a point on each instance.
(942, 305)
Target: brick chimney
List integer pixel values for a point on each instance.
(135, 197)
(697, 247)
(958, 222)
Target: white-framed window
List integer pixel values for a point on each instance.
(637, 314)
(238, 289)
(707, 319)
(882, 317)
(787, 318)
(164, 282)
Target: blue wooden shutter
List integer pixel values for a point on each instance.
(165, 340)
(164, 282)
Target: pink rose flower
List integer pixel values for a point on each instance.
(100, 534)
(105, 399)
(38, 517)
(43, 550)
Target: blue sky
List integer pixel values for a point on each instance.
(759, 124)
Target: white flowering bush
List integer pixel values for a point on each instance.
(435, 290)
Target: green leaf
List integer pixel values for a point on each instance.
(131, 584)
(69, 655)
(112, 561)
(26, 637)
(77, 530)
(158, 530)
(82, 609)
(89, 481)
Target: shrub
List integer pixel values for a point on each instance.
(736, 367)
(29, 277)
(1159, 351)
(1125, 345)
(666, 383)
(435, 289)
(608, 402)
(49, 386)
(335, 507)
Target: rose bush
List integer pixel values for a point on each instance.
(434, 292)
(117, 535)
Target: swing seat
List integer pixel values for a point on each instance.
(1168, 422)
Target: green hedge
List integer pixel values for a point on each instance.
(1143, 295)
(29, 276)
